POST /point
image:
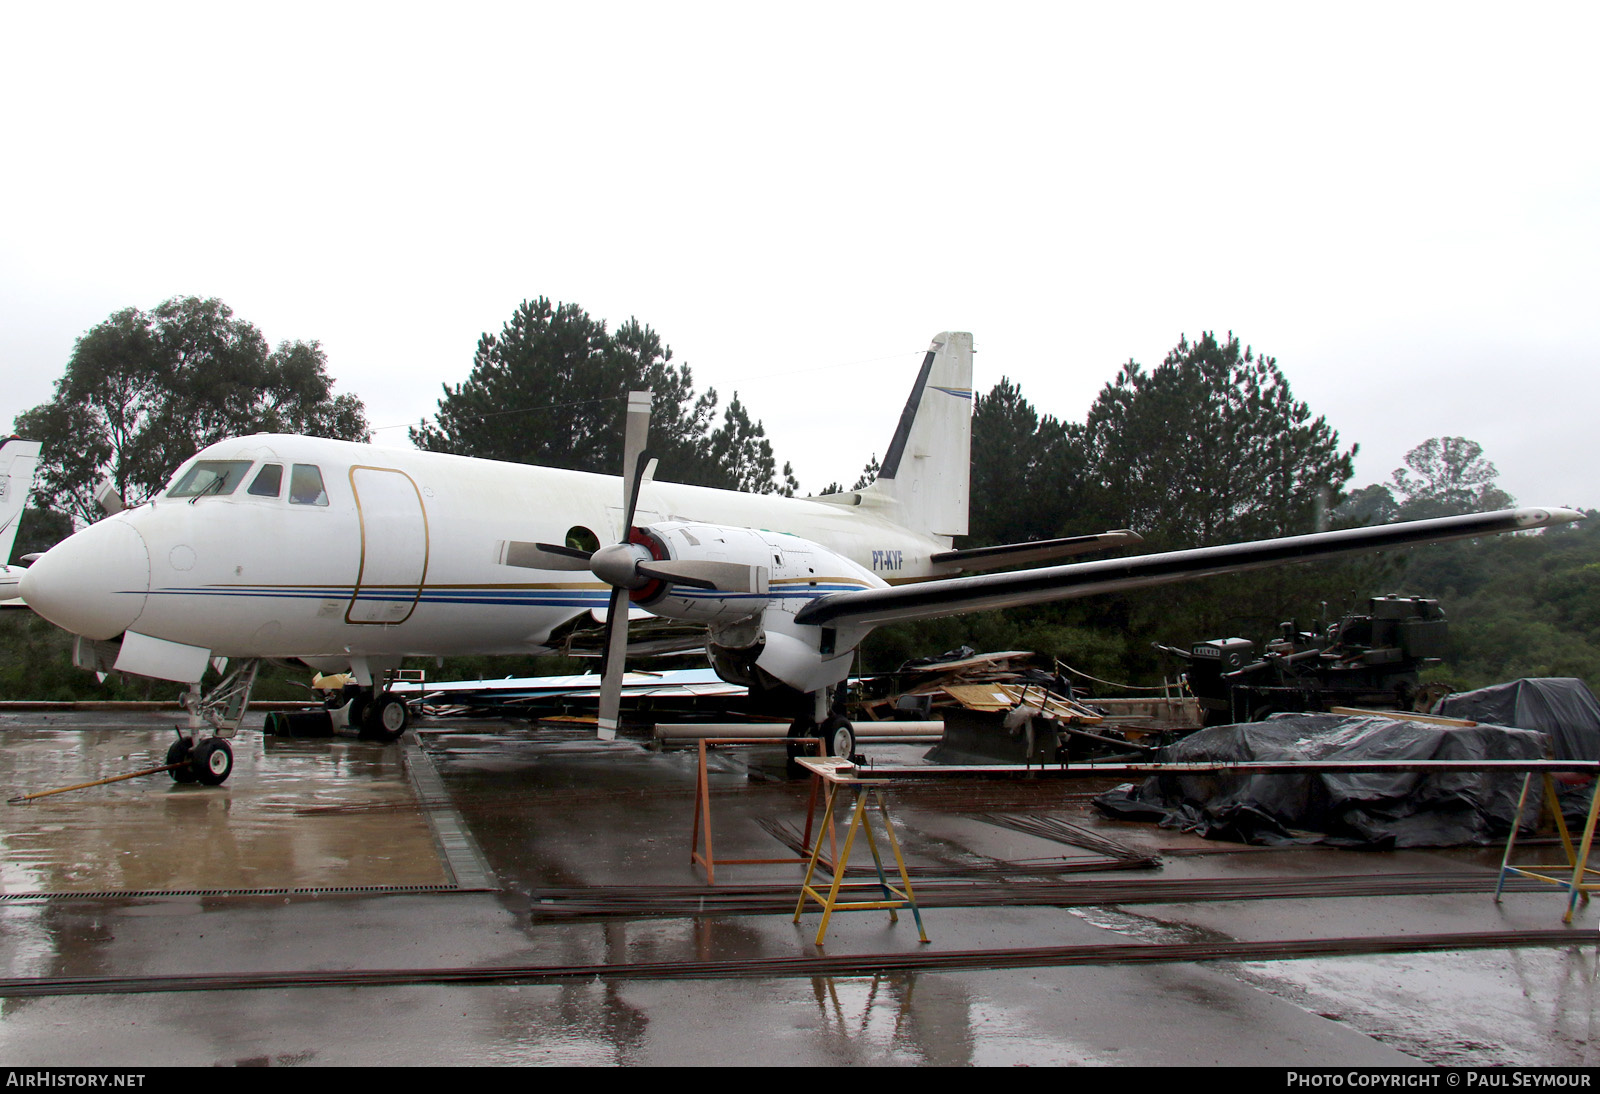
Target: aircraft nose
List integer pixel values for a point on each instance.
(92, 583)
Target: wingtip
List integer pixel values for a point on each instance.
(1543, 517)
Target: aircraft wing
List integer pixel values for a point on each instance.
(951, 596)
(1025, 554)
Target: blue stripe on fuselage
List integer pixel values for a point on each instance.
(487, 596)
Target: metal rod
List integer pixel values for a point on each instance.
(24, 798)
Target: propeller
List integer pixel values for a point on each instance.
(634, 458)
(629, 565)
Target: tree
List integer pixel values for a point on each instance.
(1523, 605)
(738, 456)
(1210, 447)
(550, 389)
(1445, 476)
(1373, 504)
(144, 390)
(1026, 470)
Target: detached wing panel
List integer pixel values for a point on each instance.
(953, 596)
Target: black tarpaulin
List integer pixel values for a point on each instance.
(1560, 706)
(1392, 809)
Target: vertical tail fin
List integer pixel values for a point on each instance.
(927, 468)
(17, 461)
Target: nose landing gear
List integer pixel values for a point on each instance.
(209, 760)
(179, 754)
(212, 760)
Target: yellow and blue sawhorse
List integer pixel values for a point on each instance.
(837, 774)
(1575, 873)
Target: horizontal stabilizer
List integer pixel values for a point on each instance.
(1043, 550)
(950, 596)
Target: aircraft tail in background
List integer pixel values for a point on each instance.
(927, 468)
(18, 458)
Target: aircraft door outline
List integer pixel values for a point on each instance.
(394, 546)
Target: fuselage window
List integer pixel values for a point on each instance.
(269, 481)
(580, 538)
(210, 477)
(305, 486)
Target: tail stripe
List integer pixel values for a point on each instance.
(902, 433)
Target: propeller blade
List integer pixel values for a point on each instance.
(725, 577)
(106, 496)
(544, 556)
(634, 459)
(669, 574)
(617, 562)
(612, 663)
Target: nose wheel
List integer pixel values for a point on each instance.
(179, 753)
(208, 762)
(212, 761)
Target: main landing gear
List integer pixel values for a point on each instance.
(385, 718)
(825, 721)
(382, 717)
(838, 739)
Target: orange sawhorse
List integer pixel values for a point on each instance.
(702, 811)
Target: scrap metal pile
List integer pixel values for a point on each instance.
(998, 709)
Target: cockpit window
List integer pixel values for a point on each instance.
(269, 481)
(305, 486)
(210, 477)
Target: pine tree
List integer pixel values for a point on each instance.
(551, 389)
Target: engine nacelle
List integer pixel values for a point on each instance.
(778, 571)
(762, 580)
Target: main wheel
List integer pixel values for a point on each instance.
(386, 719)
(179, 754)
(800, 727)
(212, 761)
(838, 737)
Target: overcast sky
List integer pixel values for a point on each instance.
(1400, 202)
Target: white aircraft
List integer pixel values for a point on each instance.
(351, 557)
(18, 458)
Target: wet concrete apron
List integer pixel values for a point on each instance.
(358, 861)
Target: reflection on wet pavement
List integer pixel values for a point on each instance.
(295, 813)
